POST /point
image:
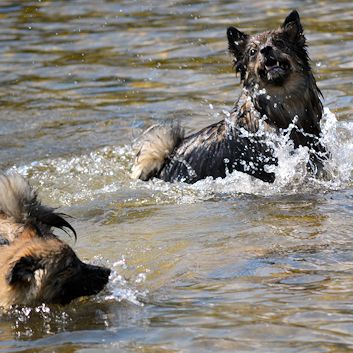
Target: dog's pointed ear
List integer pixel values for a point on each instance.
(292, 26)
(22, 271)
(236, 42)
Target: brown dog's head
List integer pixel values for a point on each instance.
(35, 265)
(271, 58)
(48, 271)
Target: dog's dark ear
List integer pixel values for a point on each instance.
(236, 42)
(22, 270)
(292, 26)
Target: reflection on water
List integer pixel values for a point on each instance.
(232, 265)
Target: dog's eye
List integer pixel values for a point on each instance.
(252, 52)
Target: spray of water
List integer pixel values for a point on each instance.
(106, 171)
(118, 288)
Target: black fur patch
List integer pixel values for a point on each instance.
(47, 216)
(23, 270)
(3, 241)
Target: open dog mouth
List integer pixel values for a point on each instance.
(275, 70)
(271, 64)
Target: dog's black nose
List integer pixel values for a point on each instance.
(266, 50)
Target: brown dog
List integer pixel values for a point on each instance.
(37, 267)
(279, 94)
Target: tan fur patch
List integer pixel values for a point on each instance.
(154, 146)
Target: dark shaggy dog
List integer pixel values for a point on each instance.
(279, 95)
(37, 267)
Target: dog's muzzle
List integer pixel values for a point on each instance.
(275, 68)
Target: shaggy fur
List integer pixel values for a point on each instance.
(279, 92)
(154, 146)
(36, 266)
(20, 206)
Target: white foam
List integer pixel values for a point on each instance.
(105, 171)
(119, 289)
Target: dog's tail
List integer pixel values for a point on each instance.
(153, 147)
(20, 201)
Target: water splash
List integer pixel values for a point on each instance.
(87, 177)
(118, 288)
(339, 139)
(26, 321)
(84, 177)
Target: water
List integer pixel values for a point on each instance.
(232, 265)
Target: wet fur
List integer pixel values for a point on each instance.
(279, 92)
(35, 265)
(154, 146)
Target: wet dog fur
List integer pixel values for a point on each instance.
(279, 94)
(36, 266)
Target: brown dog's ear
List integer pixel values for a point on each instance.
(236, 42)
(22, 270)
(292, 26)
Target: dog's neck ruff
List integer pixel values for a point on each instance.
(280, 107)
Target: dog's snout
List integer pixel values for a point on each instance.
(106, 273)
(267, 50)
(97, 273)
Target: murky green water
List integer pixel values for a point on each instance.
(231, 265)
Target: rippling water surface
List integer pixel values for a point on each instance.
(232, 265)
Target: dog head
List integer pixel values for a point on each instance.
(48, 271)
(36, 266)
(271, 58)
